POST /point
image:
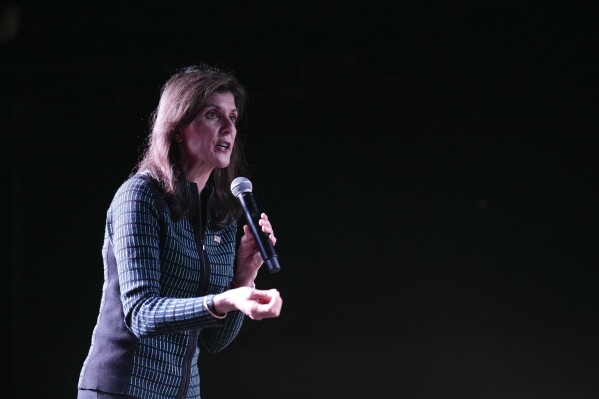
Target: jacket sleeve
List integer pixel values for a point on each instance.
(134, 228)
(217, 339)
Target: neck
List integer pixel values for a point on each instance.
(198, 175)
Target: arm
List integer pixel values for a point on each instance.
(230, 307)
(256, 304)
(242, 298)
(134, 229)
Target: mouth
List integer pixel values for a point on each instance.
(223, 145)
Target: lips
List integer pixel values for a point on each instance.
(224, 145)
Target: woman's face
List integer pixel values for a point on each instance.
(207, 142)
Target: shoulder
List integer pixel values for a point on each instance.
(134, 207)
(136, 183)
(136, 189)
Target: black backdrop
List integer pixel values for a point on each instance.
(429, 169)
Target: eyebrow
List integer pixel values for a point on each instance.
(216, 106)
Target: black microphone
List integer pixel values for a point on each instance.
(242, 189)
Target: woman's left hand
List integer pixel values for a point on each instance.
(249, 258)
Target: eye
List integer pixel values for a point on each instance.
(212, 114)
(233, 118)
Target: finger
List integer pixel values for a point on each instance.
(261, 296)
(248, 236)
(266, 228)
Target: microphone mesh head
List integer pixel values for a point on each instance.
(241, 185)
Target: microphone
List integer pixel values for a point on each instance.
(242, 189)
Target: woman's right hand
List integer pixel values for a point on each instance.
(254, 303)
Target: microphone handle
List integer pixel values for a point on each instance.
(252, 216)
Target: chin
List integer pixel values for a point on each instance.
(223, 165)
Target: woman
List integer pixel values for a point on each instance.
(175, 278)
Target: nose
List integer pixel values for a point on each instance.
(228, 127)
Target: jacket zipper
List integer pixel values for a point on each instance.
(199, 217)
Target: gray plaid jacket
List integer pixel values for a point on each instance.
(152, 318)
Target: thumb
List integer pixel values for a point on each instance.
(262, 296)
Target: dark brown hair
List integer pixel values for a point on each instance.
(181, 99)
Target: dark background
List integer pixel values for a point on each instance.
(430, 171)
